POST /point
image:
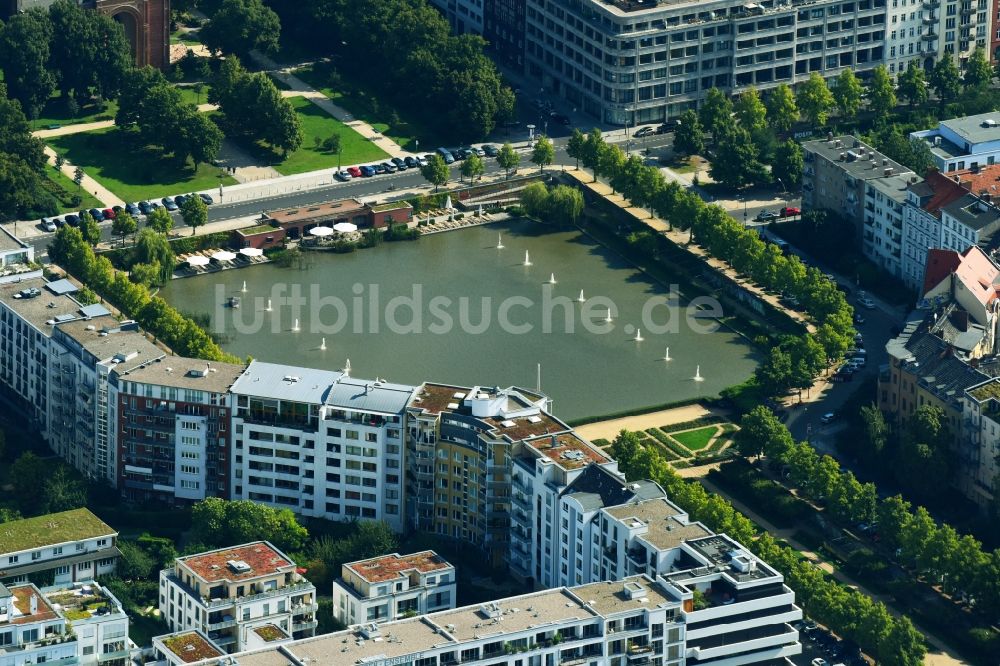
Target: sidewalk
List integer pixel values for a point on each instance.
(302, 89)
(104, 195)
(938, 654)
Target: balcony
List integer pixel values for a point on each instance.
(222, 624)
(930, 20)
(304, 626)
(929, 37)
(120, 654)
(304, 608)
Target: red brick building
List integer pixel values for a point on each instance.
(147, 27)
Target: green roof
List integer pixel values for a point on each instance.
(986, 391)
(51, 529)
(259, 229)
(391, 205)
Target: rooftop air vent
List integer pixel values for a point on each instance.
(238, 566)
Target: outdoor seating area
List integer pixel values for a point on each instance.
(215, 260)
(440, 220)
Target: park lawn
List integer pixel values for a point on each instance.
(318, 123)
(63, 187)
(695, 440)
(190, 96)
(134, 174)
(55, 112)
(361, 104)
(189, 37)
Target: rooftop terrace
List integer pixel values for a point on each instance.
(568, 451)
(389, 567)
(52, 529)
(82, 602)
(251, 560)
(22, 606)
(436, 398)
(190, 647)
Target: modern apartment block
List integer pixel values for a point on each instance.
(174, 430)
(57, 548)
(459, 455)
(970, 142)
(31, 631)
(320, 443)
(230, 594)
(96, 619)
(634, 61)
(980, 443)
(635, 621)
(392, 587)
(882, 233)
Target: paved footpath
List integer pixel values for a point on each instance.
(300, 88)
(609, 429)
(103, 194)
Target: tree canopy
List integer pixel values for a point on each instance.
(240, 26)
(218, 522)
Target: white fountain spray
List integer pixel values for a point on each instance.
(552, 278)
(268, 308)
(500, 244)
(580, 298)
(244, 289)
(638, 335)
(322, 345)
(527, 258)
(608, 318)
(666, 355)
(295, 326)
(697, 374)
(347, 368)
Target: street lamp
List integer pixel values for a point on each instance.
(531, 132)
(745, 221)
(416, 142)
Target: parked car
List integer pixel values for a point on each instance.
(118, 209)
(145, 207)
(866, 302)
(669, 126)
(97, 214)
(368, 171)
(169, 203)
(820, 661)
(490, 150)
(48, 224)
(843, 375)
(790, 211)
(110, 213)
(411, 162)
(560, 118)
(389, 167)
(207, 198)
(766, 216)
(354, 171)
(828, 418)
(644, 131)
(180, 199)
(400, 164)
(446, 155)
(72, 220)
(857, 361)
(422, 160)
(132, 209)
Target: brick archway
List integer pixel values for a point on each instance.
(147, 27)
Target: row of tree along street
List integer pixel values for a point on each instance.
(851, 614)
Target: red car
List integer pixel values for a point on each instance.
(109, 214)
(354, 171)
(790, 211)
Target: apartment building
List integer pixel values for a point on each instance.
(637, 621)
(922, 223)
(882, 233)
(29, 310)
(970, 142)
(633, 61)
(31, 631)
(463, 15)
(503, 29)
(837, 170)
(392, 587)
(174, 430)
(82, 391)
(320, 443)
(459, 443)
(231, 594)
(95, 618)
(184, 647)
(57, 548)
(979, 443)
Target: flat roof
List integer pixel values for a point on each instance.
(190, 646)
(894, 187)
(262, 558)
(350, 647)
(390, 567)
(22, 606)
(857, 157)
(52, 529)
(610, 597)
(568, 450)
(986, 391)
(102, 339)
(286, 382)
(366, 395)
(972, 212)
(972, 129)
(188, 373)
(41, 309)
(10, 242)
(665, 530)
(330, 209)
(435, 398)
(525, 427)
(269, 657)
(81, 601)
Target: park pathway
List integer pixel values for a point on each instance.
(609, 429)
(299, 88)
(104, 195)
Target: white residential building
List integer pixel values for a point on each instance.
(59, 548)
(31, 631)
(392, 587)
(882, 233)
(96, 619)
(970, 142)
(909, 26)
(16, 259)
(979, 444)
(320, 443)
(637, 621)
(230, 594)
